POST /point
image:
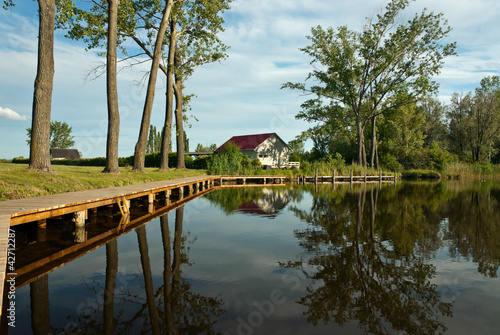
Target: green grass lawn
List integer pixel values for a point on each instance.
(17, 182)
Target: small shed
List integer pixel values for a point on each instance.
(269, 148)
(58, 153)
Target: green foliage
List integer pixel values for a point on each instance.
(207, 148)
(228, 161)
(154, 140)
(475, 121)
(359, 75)
(401, 131)
(389, 162)
(201, 162)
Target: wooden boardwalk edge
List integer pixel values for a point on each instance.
(4, 243)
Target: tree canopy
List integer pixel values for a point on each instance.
(387, 65)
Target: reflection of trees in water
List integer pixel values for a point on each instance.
(360, 274)
(170, 309)
(474, 228)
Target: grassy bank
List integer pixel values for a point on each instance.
(17, 182)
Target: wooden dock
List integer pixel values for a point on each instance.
(15, 212)
(79, 204)
(333, 178)
(235, 181)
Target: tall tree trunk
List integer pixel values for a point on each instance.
(361, 142)
(374, 150)
(109, 286)
(39, 295)
(167, 132)
(42, 96)
(179, 127)
(140, 147)
(112, 91)
(148, 279)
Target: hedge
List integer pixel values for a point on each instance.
(151, 160)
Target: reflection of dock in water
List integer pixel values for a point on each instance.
(83, 207)
(30, 271)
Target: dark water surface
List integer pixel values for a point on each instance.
(416, 258)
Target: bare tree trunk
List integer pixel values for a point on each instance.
(110, 285)
(112, 91)
(374, 152)
(42, 96)
(167, 132)
(39, 295)
(179, 127)
(361, 143)
(140, 147)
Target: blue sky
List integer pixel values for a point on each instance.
(237, 97)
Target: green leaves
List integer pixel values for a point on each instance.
(389, 64)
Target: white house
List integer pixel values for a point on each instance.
(269, 148)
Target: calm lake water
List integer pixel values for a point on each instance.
(415, 258)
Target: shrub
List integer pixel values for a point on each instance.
(227, 161)
(201, 162)
(389, 162)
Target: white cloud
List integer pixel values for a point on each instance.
(9, 114)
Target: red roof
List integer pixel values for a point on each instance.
(246, 142)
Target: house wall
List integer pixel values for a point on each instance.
(273, 152)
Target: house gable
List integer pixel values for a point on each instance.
(269, 148)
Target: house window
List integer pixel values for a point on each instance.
(263, 156)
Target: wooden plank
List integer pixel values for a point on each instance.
(4, 233)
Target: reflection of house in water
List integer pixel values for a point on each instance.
(269, 205)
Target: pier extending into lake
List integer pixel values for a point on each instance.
(83, 206)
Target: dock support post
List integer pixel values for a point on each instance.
(80, 234)
(42, 223)
(351, 176)
(151, 198)
(41, 231)
(80, 218)
(181, 192)
(316, 176)
(365, 176)
(333, 176)
(395, 177)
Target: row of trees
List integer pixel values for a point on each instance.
(426, 134)
(181, 33)
(373, 95)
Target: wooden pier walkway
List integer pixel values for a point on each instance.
(78, 204)
(333, 178)
(15, 212)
